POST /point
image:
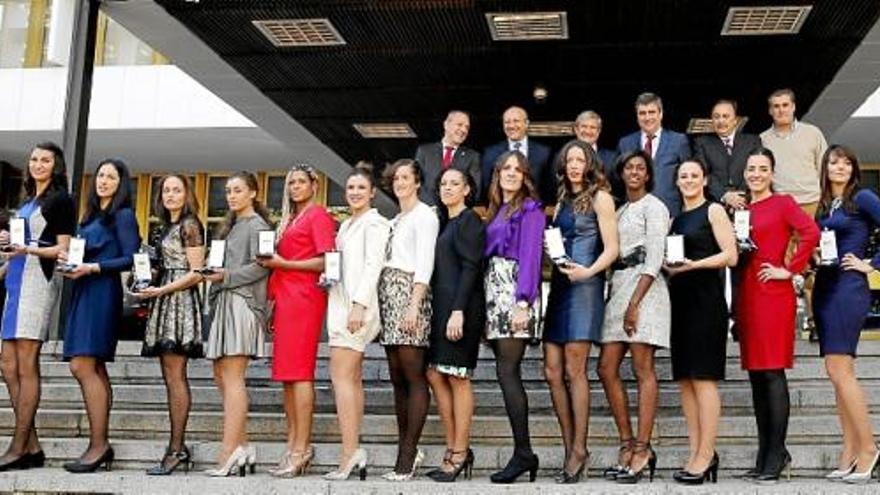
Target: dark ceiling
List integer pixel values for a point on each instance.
(413, 60)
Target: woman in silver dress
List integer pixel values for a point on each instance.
(34, 295)
(637, 315)
(238, 317)
(174, 328)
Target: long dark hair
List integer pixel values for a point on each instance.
(58, 181)
(190, 203)
(250, 180)
(851, 188)
(592, 179)
(121, 198)
(527, 191)
(649, 164)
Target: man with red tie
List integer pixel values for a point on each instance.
(434, 158)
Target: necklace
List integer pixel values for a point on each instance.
(836, 204)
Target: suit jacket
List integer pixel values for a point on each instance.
(725, 171)
(672, 149)
(430, 157)
(543, 173)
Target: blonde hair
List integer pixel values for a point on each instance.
(288, 209)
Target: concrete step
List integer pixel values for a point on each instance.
(382, 428)
(809, 459)
(816, 396)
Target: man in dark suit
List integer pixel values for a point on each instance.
(449, 152)
(725, 154)
(516, 125)
(668, 148)
(588, 128)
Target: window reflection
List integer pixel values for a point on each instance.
(13, 32)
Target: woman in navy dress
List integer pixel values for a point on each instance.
(841, 299)
(576, 305)
(111, 235)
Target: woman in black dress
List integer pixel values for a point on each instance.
(698, 339)
(458, 319)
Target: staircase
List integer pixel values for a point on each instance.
(139, 424)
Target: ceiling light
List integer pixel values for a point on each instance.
(527, 26)
(299, 32)
(753, 21)
(393, 130)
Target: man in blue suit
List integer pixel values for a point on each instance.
(516, 125)
(668, 148)
(587, 128)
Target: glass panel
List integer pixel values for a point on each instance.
(217, 196)
(122, 48)
(134, 193)
(275, 195)
(13, 32)
(335, 194)
(871, 179)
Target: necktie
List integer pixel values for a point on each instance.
(517, 146)
(649, 145)
(728, 145)
(447, 156)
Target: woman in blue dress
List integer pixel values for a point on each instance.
(841, 299)
(576, 305)
(31, 308)
(111, 238)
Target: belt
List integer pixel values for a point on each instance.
(635, 258)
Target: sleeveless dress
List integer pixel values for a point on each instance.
(575, 310)
(698, 341)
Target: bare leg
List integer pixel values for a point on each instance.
(554, 373)
(610, 359)
(346, 373)
(303, 408)
(643, 366)
(842, 374)
(709, 410)
(576, 356)
(463, 411)
(441, 389)
(691, 416)
(232, 371)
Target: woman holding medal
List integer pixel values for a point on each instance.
(576, 304)
(110, 231)
(33, 294)
(174, 327)
(353, 313)
(841, 300)
(458, 318)
(304, 235)
(238, 316)
(698, 341)
(636, 316)
(512, 284)
(405, 309)
(765, 308)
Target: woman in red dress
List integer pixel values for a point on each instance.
(766, 308)
(305, 233)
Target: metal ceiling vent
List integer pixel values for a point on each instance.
(299, 32)
(390, 130)
(551, 128)
(527, 26)
(753, 21)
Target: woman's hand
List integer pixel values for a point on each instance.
(770, 272)
(631, 319)
(684, 266)
(355, 318)
(411, 318)
(520, 319)
(149, 292)
(851, 262)
(575, 271)
(735, 199)
(455, 326)
(216, 275)
(273, 263)
(81, 271)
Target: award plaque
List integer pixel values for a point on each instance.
(76, 252)
(216, 256)
(742, 225)
(266, 244)
(674, 250)
(16, 232)
(555, 246)
(142, 272)
(828, 248)
(332, 267)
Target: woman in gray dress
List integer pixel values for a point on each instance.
(238, 317)
(34, 294)
(637, 315)
(174, 328)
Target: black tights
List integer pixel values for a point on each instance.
(406, 365)
(508, 356)
(179, 397)
(771, 401)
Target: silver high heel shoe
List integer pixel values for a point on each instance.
(417, 462)
(863, 477)
(299, 463)
(357, 460)
(235, 463)
(838, 474)
(283, 464)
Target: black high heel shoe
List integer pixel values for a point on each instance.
(567, 478)
(21, 462)
(611, 473)
(632, 476)
(36, 459)
(772, 475)
(446, 456)
(710, 474)
(516, 466)
(171, 461)
(78, 466)
(466, 465)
